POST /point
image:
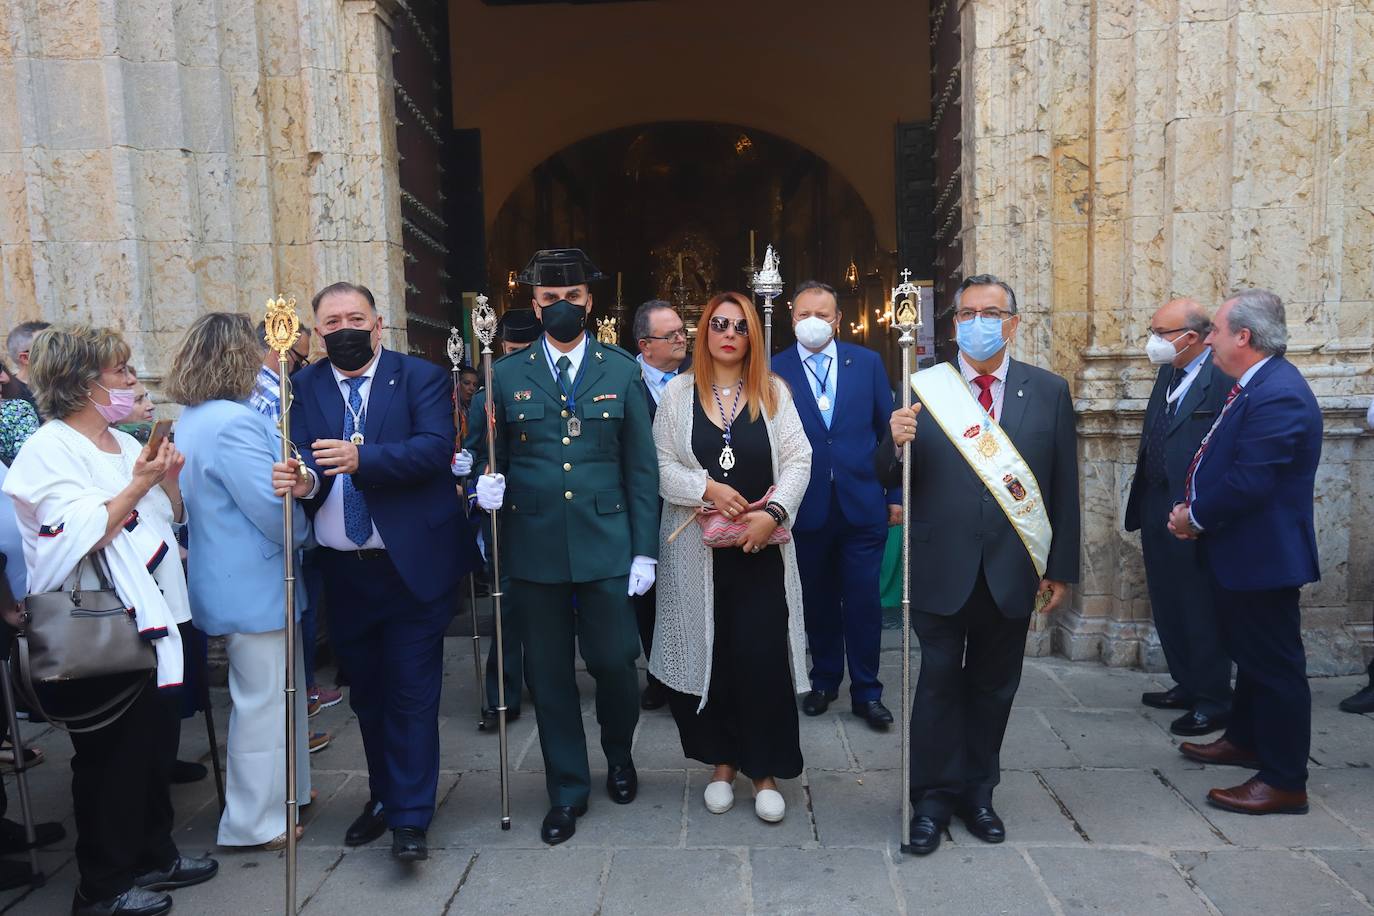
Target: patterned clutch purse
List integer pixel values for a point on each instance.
(719, 531)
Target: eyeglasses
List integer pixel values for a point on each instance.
(720, 324)
(970, 314)
(676, 335)
(1162, 331)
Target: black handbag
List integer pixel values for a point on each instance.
(75, 634)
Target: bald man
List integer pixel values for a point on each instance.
(1188, 393)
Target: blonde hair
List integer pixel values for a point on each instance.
(217, 360)
(758, 381)
(65, 361)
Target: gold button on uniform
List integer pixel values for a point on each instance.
(606, 415)
(567, 494)
(567, 441)
(565, 413)
(567, 466)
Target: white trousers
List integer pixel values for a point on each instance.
(255, 793)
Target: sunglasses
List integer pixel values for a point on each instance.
(720, 324)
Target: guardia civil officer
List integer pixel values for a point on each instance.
(579, 528)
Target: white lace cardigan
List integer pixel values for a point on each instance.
(684, 631)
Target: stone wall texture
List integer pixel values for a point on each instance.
(161, 159)
(1120, 153)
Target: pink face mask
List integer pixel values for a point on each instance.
(120, 406)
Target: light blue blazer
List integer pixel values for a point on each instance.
(234, 556)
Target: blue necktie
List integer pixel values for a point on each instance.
(667, 377)
(820, 363)
(357, 520)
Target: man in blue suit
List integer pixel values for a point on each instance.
(841, 527)
(375, 429)
(1248, 499)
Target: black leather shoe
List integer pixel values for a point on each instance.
(368, 826)
(1361, 702)
(408, 844)
(622, 784)
(925, 834)
(186, 771)
(560, 823)
(818, 701)
(984, 823)
(13, 839)
(491, 721)
(136, 901)
(1173, 698)
(1198, 723)
(874, 713)
(654, 695)
(184, 872)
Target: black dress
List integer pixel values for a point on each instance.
(750, 718)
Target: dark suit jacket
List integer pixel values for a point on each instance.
(1255, 484)
(842, 455)
(1190, 422)
(956, 525)
(403, 466)
(649, 398)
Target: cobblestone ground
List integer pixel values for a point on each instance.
(1103, 816)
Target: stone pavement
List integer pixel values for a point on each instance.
(1103, 816)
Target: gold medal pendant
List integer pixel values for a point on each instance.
(727, 458)
(574, 426)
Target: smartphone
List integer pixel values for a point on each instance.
(160, 430)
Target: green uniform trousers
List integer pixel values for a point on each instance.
(601, 618)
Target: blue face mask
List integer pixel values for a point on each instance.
(979, 338)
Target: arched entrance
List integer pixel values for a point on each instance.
(668, 209)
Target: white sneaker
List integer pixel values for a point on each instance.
(769, 805)
(719, 797)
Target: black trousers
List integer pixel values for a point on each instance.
(1271, 713)
(121, 778)
(970, 670)
(646, 608)
(750, 718)
(1185, 615)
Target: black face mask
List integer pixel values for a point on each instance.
(349, 348)
(564, 321)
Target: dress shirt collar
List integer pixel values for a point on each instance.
(969, 373)
(1196, 363)
(1250, 373)
(368, 373)
(575, 355)
(829, 350)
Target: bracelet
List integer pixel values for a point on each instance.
(778, 513)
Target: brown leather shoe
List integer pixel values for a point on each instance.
(1256, 797)
(1219, 753)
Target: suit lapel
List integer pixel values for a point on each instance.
(792, 370)
(1194, 396)
(380, 393)
(538, 372)
(1013, 398)
(844, 380)
(329, 400)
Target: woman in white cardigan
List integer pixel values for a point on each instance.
(729, 634)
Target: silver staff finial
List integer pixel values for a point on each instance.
(484, 322)
(455, 347)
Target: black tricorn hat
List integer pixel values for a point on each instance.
(520, 326)
(560, 267)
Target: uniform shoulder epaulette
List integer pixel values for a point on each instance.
(614, 348)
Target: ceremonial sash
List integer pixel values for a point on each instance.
(945, 396)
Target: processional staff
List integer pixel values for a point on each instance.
(484, 325)
(768, 284)
(282, 328)
(907, 319)
(454, 347)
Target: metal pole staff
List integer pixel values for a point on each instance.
(454, 347)
(768, 284)
(282, 330)
(907, 319)
(484, 324)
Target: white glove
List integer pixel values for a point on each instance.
(642, 573)
(491, 491)
(462, 463)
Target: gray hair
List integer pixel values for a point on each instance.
(985, 280)
(21, 337)
(1260, 312)
(640, 327)
(1196, 319)
(64, 362)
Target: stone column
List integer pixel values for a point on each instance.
(1122, 153)
(159, 160)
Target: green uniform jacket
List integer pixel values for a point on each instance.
(577, 509)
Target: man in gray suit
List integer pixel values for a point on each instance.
(1188, 394)
(974, 577)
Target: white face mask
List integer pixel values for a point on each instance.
(813, 333)
(1160, 351)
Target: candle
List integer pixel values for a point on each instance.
(679, 267)
(618, 277)
(751, 247)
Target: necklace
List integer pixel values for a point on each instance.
(727, 454)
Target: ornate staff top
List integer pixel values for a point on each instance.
(282, 327)
(768, 280)
(484, 323)
(906, 298)
(454, 347)
(608, 330)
